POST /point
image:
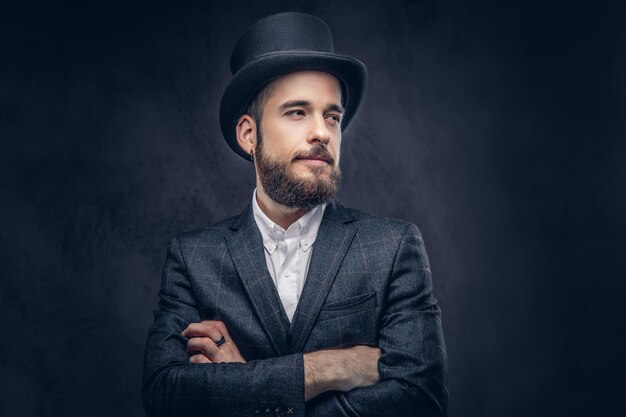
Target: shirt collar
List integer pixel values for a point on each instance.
(305, 228)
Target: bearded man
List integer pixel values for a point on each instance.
(297, 306)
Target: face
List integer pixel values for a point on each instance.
(297, 157)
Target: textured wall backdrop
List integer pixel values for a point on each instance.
(498, 128)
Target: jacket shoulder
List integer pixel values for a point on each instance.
(371, 223)
(209, 235)
(389, 231)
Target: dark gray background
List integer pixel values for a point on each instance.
(497, 127)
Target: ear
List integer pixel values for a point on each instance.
(246, 133)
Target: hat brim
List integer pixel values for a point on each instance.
(250, 78)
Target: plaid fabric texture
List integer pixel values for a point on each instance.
(369, 282)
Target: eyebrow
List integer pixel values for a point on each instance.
(306, 103)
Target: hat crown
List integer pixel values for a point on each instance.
(281, 32)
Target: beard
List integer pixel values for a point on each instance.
(282, 186)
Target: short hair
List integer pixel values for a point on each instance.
(255, 106)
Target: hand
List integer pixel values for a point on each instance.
(202, 347)
(340, 369)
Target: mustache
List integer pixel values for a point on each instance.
(317, 152)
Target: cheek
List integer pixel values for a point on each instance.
(283, 139)
(335, 148)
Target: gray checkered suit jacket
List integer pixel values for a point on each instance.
(368, 283)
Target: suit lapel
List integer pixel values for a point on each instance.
(245, 246)
(333, 240)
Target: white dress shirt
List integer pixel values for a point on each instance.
(288, 252)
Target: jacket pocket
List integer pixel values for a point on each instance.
(348, 322)
(348, 306)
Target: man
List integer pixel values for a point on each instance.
(298, 306)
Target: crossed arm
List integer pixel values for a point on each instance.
(408, 378)
(324, 370)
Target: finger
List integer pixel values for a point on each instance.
(222, 328)
(229, 342)
(199, 358)
(206, 346)
(196, 329)
(207, 328)
(204, 329)
(203, 345)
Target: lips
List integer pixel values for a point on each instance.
(317, 154)
(315, 158)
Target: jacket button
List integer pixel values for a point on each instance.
(279, 412)
(268, 412)
(258, 412)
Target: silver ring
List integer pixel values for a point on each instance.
(220, 342)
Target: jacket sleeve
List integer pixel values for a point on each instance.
(173, 386)
(413, 361)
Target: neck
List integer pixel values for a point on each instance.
(281, 215)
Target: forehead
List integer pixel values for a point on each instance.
(310, 85)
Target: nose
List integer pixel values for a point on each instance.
(320, 132)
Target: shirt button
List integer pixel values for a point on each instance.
(287, 273)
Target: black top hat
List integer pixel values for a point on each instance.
(277, 45)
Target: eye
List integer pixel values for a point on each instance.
(296, 113)
(335, 118)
